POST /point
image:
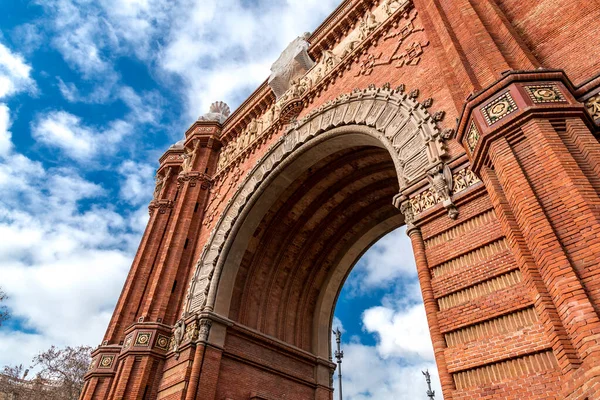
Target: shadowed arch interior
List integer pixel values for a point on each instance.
(295, 247)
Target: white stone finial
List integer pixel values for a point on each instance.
(219, 111)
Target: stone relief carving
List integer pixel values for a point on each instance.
(219, 111)
(188, 159)
(160, 183)
(399, 121)
(178, 335)
(292, 64)
(438, 192)
(401, 56)
(391, 6)
(442, 182)
(205, 325)
(464, 179)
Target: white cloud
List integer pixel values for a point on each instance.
(137, 182)
(366, 375)
(5, 135)
(65, 131)
(15, 74)
(392, 368)
(401, 333)
(62, 261)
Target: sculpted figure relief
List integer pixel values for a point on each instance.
(186, 165)
(160, 183)
(178, 335)
(367, 25)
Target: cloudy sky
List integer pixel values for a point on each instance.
(91, 94)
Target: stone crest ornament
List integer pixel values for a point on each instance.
(219, 112)
(499, 108)
(292, 64)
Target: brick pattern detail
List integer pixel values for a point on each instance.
(460, 229)
(481, 289)
(470, 258)
(510, 322)
(505, 370)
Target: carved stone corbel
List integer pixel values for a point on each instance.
(442, 182)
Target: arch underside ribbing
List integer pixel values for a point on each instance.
(301, 251)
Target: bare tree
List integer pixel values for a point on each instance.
(59, 377)
(65, 368)
(4, 314)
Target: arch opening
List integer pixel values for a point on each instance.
(301, 234)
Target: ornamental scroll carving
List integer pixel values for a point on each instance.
(397, 120)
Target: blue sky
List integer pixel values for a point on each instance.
(91, 94)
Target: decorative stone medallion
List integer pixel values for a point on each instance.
(106, 361)
(472, 137)
(545, 94)
(142, 339)
(593, 106)
(499, 108)
(162, 342)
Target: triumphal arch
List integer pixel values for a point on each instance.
(474, 123)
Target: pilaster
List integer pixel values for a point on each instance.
(533, 145)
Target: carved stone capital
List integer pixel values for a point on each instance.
(193, 178)
(161, 205)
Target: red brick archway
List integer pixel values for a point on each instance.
(259, 216)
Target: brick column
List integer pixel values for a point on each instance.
(138, 336)
(533, 146)
(431, 308)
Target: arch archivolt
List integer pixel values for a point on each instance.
(384, 117)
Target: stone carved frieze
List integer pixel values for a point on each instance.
(400, 122)
(402, 54)
(464, 179)
(441, 191)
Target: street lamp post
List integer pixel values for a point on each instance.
(430, 393)
(339, 354)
